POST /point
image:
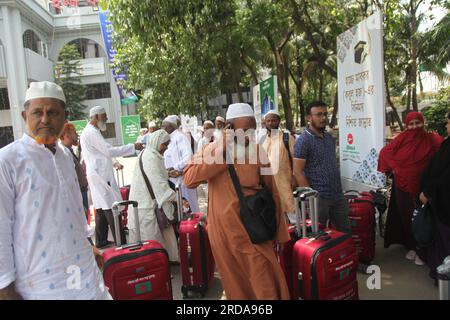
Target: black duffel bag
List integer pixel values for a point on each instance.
(257, 212)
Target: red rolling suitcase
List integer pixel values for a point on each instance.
(197, 262)
(324, 263)
(362, 221)
(138, 271)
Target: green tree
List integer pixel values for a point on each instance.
(436, 115)
(67, 75)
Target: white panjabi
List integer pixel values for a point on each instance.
(44, 89)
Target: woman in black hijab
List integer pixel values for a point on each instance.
(435, 187)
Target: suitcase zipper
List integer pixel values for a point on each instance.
(330, 244)
(134, 255)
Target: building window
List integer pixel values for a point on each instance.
(98, 91)
(31, 41)
(4, 99)
(6, 136)
(110, 132)
(87, 48)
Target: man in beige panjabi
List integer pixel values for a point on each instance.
(279, 146)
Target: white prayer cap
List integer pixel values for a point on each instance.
(172, 119)
(209, 122)
(220, 119)
(44, 89)
(239, 110)
(152, 124)
(272, 112)
(96, 110)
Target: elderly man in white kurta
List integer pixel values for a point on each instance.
(98, 154)
(176, 158)
(44, 250)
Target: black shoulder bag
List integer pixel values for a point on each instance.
(257, 212)
(423, 225)
(163, 221)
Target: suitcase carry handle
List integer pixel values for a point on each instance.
(116, 214)
(179, 201)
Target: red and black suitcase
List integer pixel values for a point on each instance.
(196, 259)
(138, 271)
(324, 262)
(363, 224)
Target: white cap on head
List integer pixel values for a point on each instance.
(172, 119)
(152, 124)
(239, 110)
(221, 119)
(96, 110)
(272, 112)
(44, 89)
(209, 122)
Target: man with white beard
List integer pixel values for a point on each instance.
(98, 156)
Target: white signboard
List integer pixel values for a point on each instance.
(361, 101)
(257, 106)
(189, 123)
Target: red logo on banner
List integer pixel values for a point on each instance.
(350, 138)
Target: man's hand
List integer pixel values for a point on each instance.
(98, 257)
(118, 166)
(423, 199)
(174, 173)
(138, 146)
(294, 183)
(9, 293)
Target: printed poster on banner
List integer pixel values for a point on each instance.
(361, 101)
(268, 95)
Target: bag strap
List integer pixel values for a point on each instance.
(286, 144)
(236, 183)
(147, 182)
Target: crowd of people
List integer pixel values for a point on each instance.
(46, 187)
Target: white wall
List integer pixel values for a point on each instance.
(5, 118)
(38, 67)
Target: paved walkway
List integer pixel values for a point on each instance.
(401, 279)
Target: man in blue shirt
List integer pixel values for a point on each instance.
(315, 166)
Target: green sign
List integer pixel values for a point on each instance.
(79, 125)
(129, 100)
(131, 125)
(268, 95)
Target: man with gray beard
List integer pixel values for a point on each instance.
(98, 155)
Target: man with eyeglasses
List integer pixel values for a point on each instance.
(315, 166)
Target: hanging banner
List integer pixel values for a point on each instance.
(189, 123)
(131, 126)
(361, 101)
(257, 106)
(268, 95)
(79, 125)
(107, 34)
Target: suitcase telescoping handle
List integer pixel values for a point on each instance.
(118, 180)
(179, 201)
(116, 214)
(303, 194)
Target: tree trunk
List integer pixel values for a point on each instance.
(333, 122)
(321, 86)
(414, 57)
(389, 101)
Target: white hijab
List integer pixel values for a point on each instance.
(155, 140)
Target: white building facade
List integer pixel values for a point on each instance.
(32, 34)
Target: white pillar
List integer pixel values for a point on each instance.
(15, 67)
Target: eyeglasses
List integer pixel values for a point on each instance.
(320, 114)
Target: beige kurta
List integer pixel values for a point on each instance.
(279, 159)
(248, 271)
